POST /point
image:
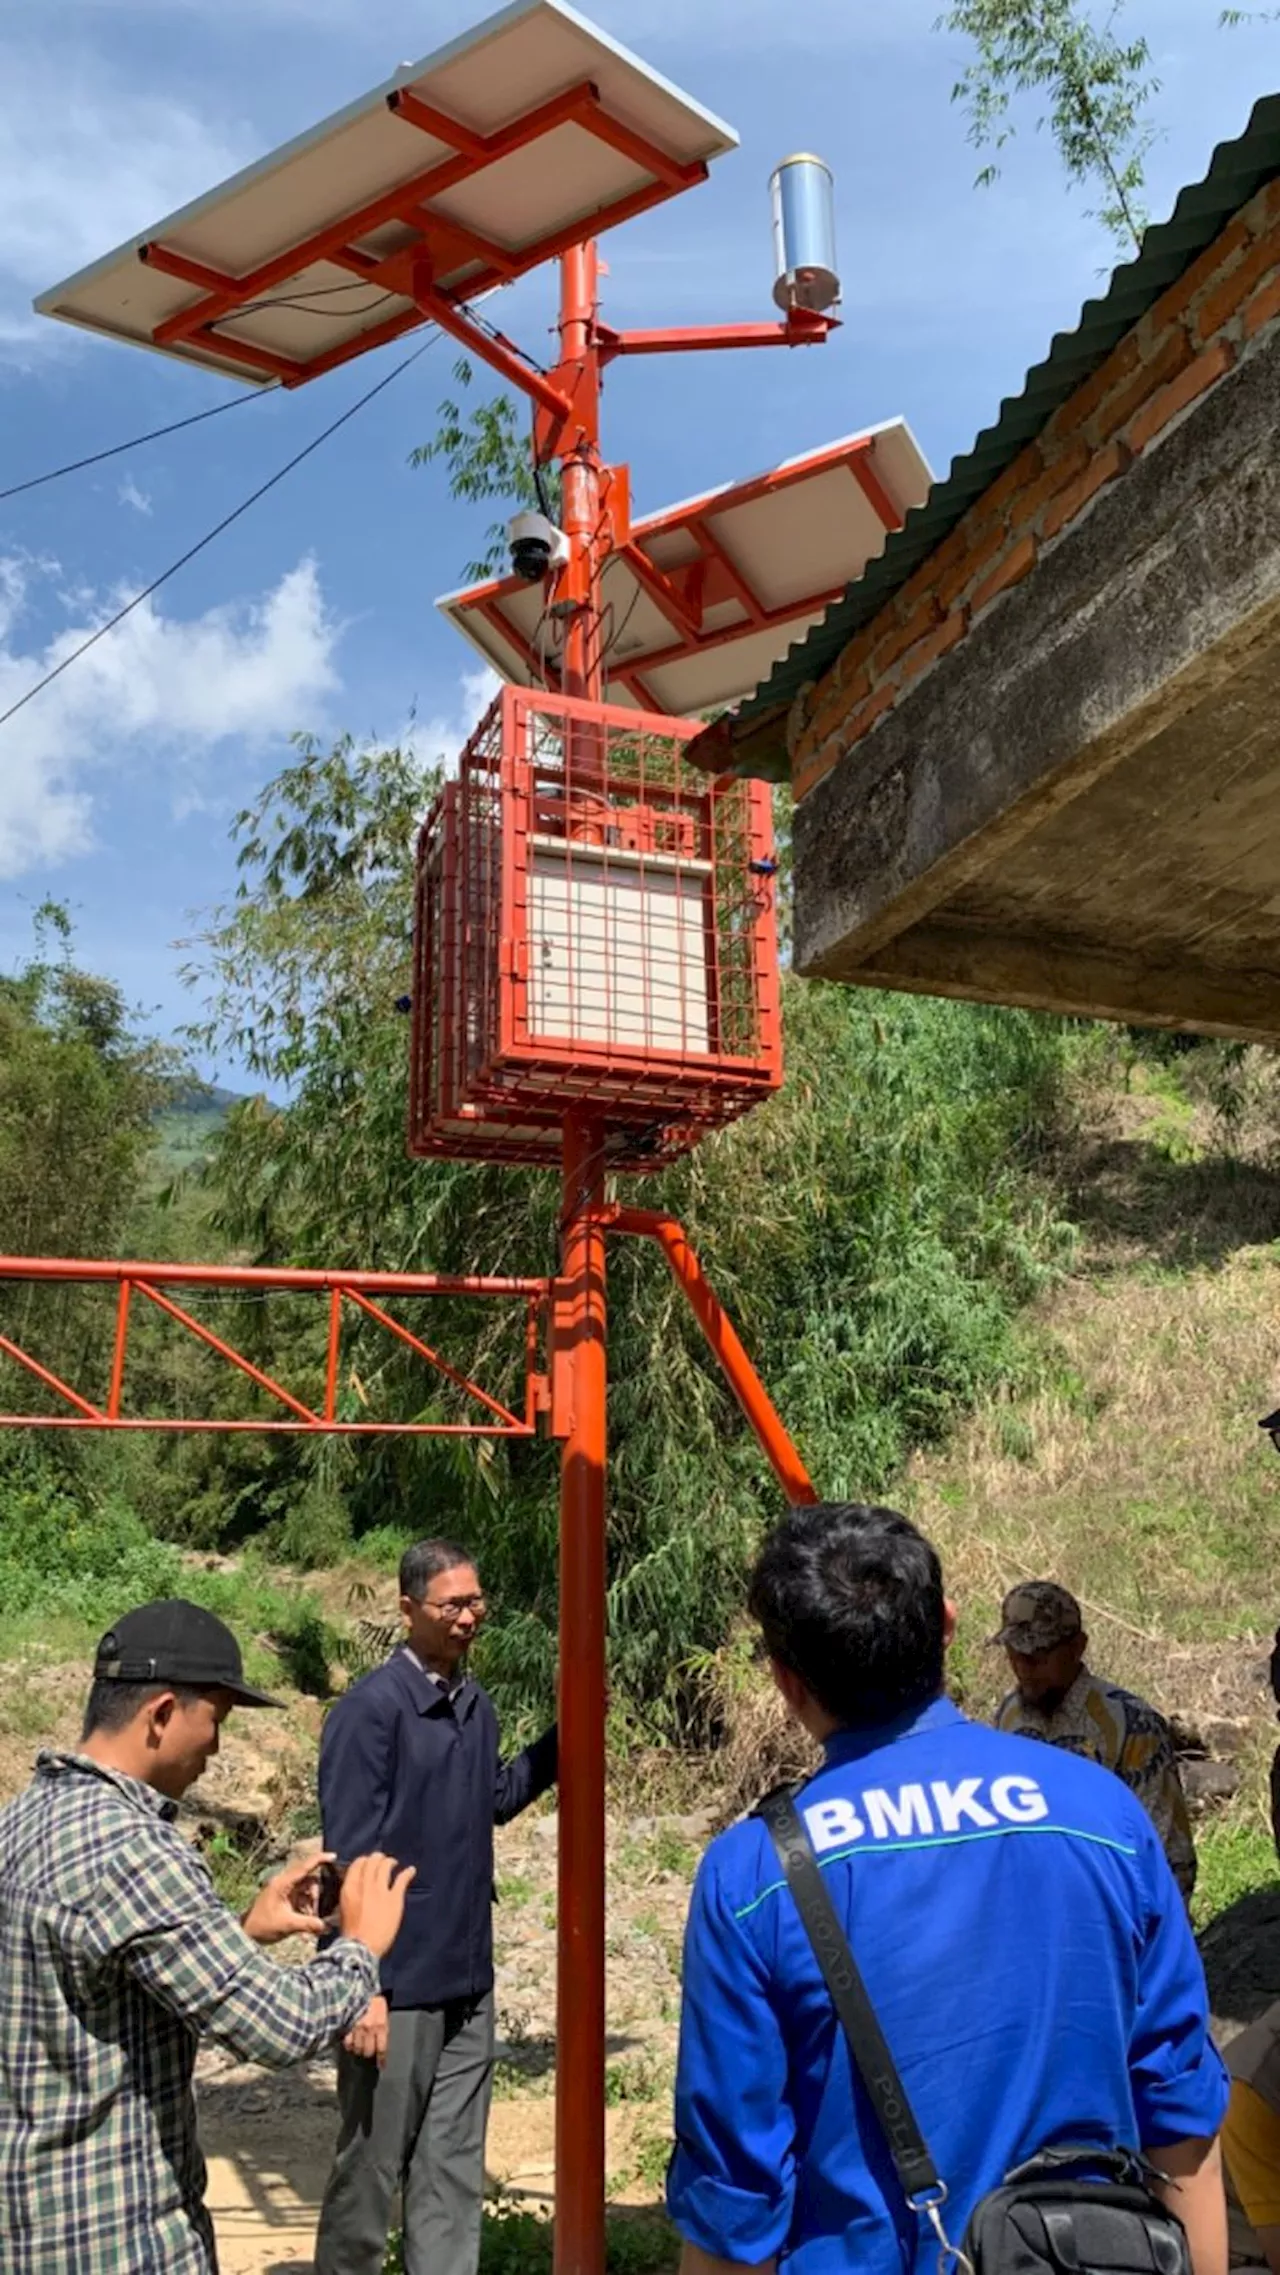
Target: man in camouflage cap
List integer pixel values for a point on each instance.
(1060, 1700)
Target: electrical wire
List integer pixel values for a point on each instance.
(216, 531)
(303, 303)
(117, 450)
(618, 636)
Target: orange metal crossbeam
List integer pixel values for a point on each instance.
(149, 1279)
(226, 293)
(51, 1380)
(228, 1352)
(439, 309)
(800, 329)
(714, 550)
(874, 491)
(678, 609)
(434, 1359)
(222, 295)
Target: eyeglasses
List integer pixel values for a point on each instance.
(453, 1607)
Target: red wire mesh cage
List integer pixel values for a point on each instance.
(595, 927)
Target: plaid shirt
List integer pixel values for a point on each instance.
(116, 1957)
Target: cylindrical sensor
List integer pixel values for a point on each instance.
(804, 235)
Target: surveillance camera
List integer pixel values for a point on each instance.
(537, 546)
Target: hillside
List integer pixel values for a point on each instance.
(187, 1125)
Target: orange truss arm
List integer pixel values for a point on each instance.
(78, 1411)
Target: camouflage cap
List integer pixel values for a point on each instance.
(1037, 1616)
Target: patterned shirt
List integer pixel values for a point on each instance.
(116, 1957)
(1122, 1733)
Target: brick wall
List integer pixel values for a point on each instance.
(1193, 336)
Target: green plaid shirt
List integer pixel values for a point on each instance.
(116, 1958)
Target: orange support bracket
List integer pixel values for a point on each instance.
(757, 1407)
(801, 328)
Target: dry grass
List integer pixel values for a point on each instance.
(1134, 1473)
(1132, 1470)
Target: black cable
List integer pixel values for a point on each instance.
(117, 450)
(216, 531)
(616, 640)
(303, 303)
(482, 324)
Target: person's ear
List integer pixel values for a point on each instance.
(793, 1690)
(950, 1621)
(160, 1713)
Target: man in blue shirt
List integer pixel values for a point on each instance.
(1012, 1912)
(413, 1747)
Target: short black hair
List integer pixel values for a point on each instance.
(420, 1564)
(849, 1597)
(112, 1705)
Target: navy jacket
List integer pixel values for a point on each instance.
(406, 1769)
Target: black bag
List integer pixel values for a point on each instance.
(1051, 2217)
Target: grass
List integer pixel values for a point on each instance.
(68, 1568)
(640, 2078)
(514, 2242)
(1236, 1857)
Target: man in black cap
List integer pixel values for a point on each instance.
(117, 1957)
(1060, 1699)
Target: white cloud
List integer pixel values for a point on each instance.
(155, 689)
(438, 739)
(85, 161)
(130, 495)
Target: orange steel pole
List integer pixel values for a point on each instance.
(580, 2015)
(578, 593)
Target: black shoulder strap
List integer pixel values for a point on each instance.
(867, 2044)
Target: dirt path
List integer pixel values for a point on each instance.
(268, 2139)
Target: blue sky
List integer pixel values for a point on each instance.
(315, 611)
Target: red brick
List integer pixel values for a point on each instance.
(804, 777)
(883, 700)
(1026, 466)
(1063, 469)
(1103, 467)
(839, 698)
(1172, 356)
(1080, 407)
(1175, 302)
(1011, 571)
(1263, 308)
(896, 641)
(938, 644)
(1219, 306)
(1204, 373)
(853, 658)
(971, 563)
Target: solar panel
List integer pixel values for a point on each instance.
(456, 175)
(710, 593)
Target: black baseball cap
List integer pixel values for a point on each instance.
(176, 1642)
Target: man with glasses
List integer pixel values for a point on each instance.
(412, 1750)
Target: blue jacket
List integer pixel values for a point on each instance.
(406, 1769)
(1029, 1957)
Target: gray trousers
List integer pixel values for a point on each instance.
(418, 2124)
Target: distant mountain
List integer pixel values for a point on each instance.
(189, 1122)
(194, 1098)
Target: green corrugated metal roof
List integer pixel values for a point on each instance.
(1238, 170)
